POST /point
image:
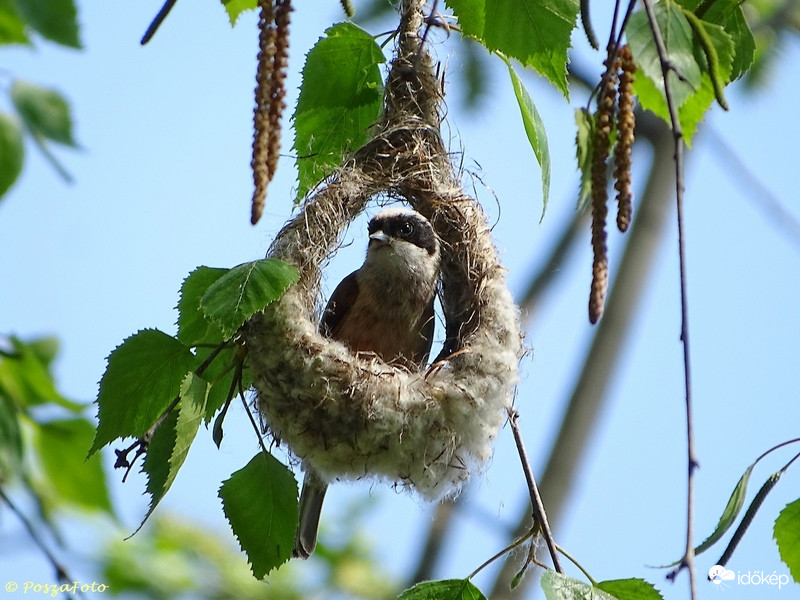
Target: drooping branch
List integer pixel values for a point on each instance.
(677, 133)
(588, 396)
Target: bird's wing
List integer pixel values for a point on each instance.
(340, 302)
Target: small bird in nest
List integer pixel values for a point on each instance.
(384, 308)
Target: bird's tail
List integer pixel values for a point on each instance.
(311, 499)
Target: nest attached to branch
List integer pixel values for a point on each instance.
(353, 416)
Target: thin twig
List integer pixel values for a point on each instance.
(761, 195)
(628, 13)
(536, 500)
(677, 132)
(589, 395)
(750, 514)
(60, 571)
(211, 356)
(515, 544)
(776, 447)
(580, 567)
(156, 23)
(250, 414)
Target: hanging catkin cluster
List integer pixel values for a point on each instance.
(273, 42)
(351, 416)
(614, 108)
(626, 122)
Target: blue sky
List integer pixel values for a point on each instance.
(163, 185)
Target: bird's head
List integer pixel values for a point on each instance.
(401, 238)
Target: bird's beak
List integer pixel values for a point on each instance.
(379, 238)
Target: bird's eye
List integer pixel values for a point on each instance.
(406, 228)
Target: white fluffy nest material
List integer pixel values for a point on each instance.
(352, 416)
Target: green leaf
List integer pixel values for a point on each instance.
(245, 290)
(535, 32)
(787, 534)
(561, 587)
(44, 111)
(10, 441)
(12, 152)
(679, 42)
(340, 98)
(584, 122)
(61, 448)
(194, 327)
(220, 374)
(729, 14)
(717, 47)
(143, 377)
(45, 349)
(234, 8)
(447, 589)
(170, 444)
(534, 129)
(630, 589)
(703, 55)
(12, 27)
(260, 502)
(729, 513)
(55, 20)
(728, 517)
(748, 517)
(26, 380)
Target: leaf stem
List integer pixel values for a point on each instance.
(577, 564)
(50, 157)
(515, 544)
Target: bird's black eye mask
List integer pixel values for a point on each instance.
(406, 227)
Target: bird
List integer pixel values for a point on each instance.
(386, 307)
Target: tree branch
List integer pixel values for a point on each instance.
(539, 514)
(677, 133)
(60, 571)
(588, 396)
(761, 196)
(157, 20)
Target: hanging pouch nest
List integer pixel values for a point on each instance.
(352, 416)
